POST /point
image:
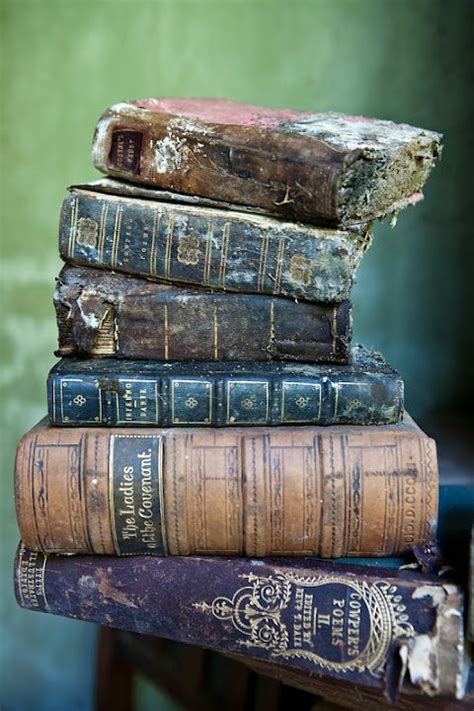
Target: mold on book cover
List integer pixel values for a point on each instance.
(222, 249)
(312, 167)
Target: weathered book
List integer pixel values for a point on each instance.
(328, 491)
(101, 313)
(120, 392)
(194, 244)
(314, 167)
(355, 623)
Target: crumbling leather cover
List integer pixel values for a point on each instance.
(321, 168)
(327, 491)
(227, 250)
(101, 313)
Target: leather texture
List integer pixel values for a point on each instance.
(339, 491)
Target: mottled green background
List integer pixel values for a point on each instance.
(64, 62)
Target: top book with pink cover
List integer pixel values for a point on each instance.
(311, 167)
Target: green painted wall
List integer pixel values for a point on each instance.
(64, 62)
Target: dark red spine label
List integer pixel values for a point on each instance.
(125, 151)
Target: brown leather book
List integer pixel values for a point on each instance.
(105, 314)
(326, 491)
(312, 167)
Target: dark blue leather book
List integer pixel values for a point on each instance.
(110, 391)
(178, 239)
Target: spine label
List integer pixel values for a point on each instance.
(30, 579)
(333, 622)
(125, 151)
(136, 496)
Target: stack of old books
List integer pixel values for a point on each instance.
(209, 401)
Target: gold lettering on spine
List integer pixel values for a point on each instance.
(19, 573)
(31, 572)
(208, 254)
(363, 619)
(410, 524)
(136, 504)
(72, 228)
(169, 242)
(129, 401)
(397, 527)
(153, 248)
(225, 246)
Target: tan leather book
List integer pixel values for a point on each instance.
(325, 491)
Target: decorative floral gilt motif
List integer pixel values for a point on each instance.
(87, 230)
(191, 402)
(302, 401)
(301, 268)
(255, 611)
(352, 405)
(79, 400)
(264, 611)
(188, 250)
(249, 403)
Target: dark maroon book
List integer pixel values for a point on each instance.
(363, 623)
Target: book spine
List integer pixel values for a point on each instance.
(118, 398)
(198, 246)
(281, 172)
(338, 621)
(103, 314)
(356, 491)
